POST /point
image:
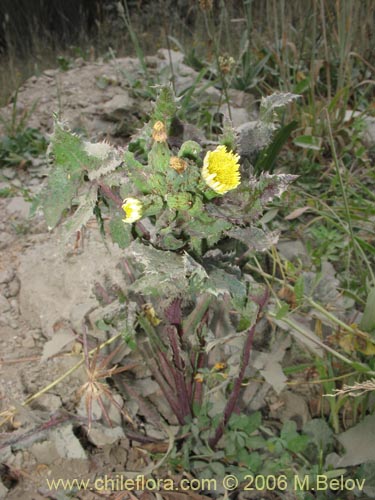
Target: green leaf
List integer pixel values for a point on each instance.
(282, 311)
(367, 323)
(159, 157)
(190, 149)
(83, 213)
(299, 287)
(120, 232)
(269, 105)
(165, 107)
(267, 158)
(70, 161)
(58, 195)
(246, 423)
(254, 238)
(308, 142)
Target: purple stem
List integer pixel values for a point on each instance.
(233, 398)
(179, 372)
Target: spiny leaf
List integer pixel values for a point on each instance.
(165, 107)
(83, 213)
(270, 104)
(58, 195)
(109, 157)
(120, 232)
(255, 238)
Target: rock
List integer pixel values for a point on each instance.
(8, 172)
(101, 436)
(19, 207)
(292, 250)
(96, 411)
(48, 402)
(28, 342)
(13, 288)
(173, 56)
(3, 490)
(114, 412)
(4, 305)
(118, 107)
(369, 132)
(239, 116)
(67, 445)
(6, 275)
(5, 240)
(45, 452)
(52, 285)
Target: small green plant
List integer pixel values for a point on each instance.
(187, 219)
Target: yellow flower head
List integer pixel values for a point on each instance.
(133, 210)
(159, 133)
(221, 170)
(219, 366)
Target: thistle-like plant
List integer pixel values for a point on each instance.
(189, 220)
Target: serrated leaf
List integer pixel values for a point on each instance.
(120, 232)
(109, 157)
(70, 163)
(254, 237)
(162, 270)
(165, 107)
(58, 194)
(83, 213)
(273, 102)
(269, 186)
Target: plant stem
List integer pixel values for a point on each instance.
(179, 372)
(233, 398)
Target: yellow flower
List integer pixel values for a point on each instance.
(133, 210)
(221, 170)
(219, 366)
(198, 378)
(159, 133)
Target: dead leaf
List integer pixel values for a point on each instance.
(296, 213)
(359, 443)
(57, 343)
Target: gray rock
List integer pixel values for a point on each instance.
(239, 116)
(52, 284)
(13, 288)
(19, 207)
(45, 452)
(49, 402)
(292, 250)
(67, 445)
(28, 342)
(4, 305)
(6, 275)
(3, 490)
(118, 107)
(8, 173)
(101, 436)
(369, 133)
(5, 240)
